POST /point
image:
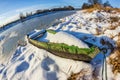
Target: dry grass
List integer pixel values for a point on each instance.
(114, 60)
(82, 75)
(118, 41)
(90, 10)
(109, 9)
(73, 76)
(98, 32)
(116, 9)
(112, 27)
(114, 19)
(100, 7)
(94, 7)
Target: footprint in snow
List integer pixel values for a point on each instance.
(22, 67)
(49, 68)
(31, 57)
(46, 62)
(17, 53)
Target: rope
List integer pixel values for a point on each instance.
(104, 68)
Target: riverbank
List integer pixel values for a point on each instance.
(9, 25)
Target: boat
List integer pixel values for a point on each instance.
(61, 49)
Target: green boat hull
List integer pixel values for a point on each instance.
(65, 51)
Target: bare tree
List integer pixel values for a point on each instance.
(21, 16)
(95, 1)
(107, 3)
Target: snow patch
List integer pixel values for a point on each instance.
(63, 37)
(30, 63)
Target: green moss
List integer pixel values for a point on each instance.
(51, 31)
(72, 49)
(61, 47)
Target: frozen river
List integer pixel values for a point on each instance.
(10, 37)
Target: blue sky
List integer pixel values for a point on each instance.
(9, 5)
(12, 7)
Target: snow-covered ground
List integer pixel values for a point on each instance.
(29, 62)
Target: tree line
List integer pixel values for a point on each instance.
(22, 16)
(91, 3)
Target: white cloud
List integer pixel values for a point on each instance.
(14, 14)
(32, 8)
(8, 17)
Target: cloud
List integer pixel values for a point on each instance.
(14, 14)
(26, 9)
(32, 8)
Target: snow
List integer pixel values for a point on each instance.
(7, 19)
(63, 37)
(117, 77)
(30, 62)
(114, 32)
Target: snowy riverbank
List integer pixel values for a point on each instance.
(29, 62)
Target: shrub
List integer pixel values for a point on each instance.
(115, 61)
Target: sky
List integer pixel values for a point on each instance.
(12, 7)
(9, 5)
